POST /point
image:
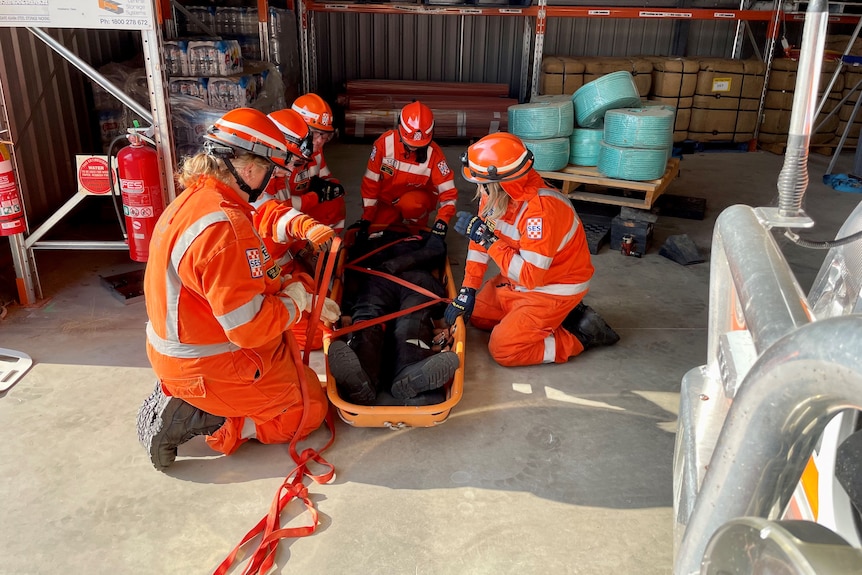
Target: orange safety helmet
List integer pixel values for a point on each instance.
(248, 130)
(499, 157)
(315, 111)
(417, 125)
(296, 134)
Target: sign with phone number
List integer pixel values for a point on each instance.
(95, 14)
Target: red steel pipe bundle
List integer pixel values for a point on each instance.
(461, 110)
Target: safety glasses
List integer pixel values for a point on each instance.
(323, 136)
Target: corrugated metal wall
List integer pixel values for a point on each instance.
(417, 47)
(490, 48)
(50, 108)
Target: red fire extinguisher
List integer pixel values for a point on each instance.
(141, 190)
(11, 209)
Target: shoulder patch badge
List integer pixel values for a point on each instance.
(373, 152)
(255, 264)
(443, 167)
(534, 228)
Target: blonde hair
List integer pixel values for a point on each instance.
(498, 199)
(203, 164)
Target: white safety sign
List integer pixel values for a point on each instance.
(96, 14)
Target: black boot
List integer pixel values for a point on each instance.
(431, 373)
(352, 381)
(588, 326)
(165, 423)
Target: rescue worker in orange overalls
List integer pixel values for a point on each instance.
(219, 309)
(533, 306)
(290, 252)
(407, 177)
(313, 189)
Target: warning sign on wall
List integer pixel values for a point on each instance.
(93, 175)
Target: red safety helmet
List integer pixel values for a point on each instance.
(247, 130)
(417, 125)
(499, 157)
(315, 111)
(295, 131)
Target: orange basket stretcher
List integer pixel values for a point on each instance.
(398, 416)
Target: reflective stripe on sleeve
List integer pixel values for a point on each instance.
(281, 235)
(173, 284)
(290, 306)
(515, 268)
(509, 230)
(372, 175)
(241, 315)
(537, 259)
(185, 350)
(477, 256)
(368, 202)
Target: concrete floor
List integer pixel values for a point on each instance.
(547, 469)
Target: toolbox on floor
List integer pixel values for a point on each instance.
(398, 416)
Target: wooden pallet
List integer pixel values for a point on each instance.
(610, 190)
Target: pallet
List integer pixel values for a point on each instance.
(616, 192)
(697, 147)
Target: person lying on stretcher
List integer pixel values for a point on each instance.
(406, 357)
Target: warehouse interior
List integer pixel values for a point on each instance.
(561, 468)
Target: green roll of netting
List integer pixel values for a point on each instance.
(543, 119)
(549, 155)
(649, 127)
(611, 91)
(584, 146)
(634, 164)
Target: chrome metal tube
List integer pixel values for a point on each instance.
(93, 74)
(786, 400)
(768, 298)
(793, 178)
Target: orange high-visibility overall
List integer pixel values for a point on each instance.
(217, 335)
(545, 271)
(397, 188)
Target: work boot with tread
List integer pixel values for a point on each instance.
(430, 373)
(350, 377)
(587, 325)
(165, 423)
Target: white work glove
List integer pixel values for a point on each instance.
(296, 292)
(303, 300)
(330, 312)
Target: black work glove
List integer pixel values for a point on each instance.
(461, 305)
(475, 228)
(361, 227)
(326, 190)
(439, 229)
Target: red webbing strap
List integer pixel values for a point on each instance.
(322, 282)
(384, 247)
(384, 318)
(269, 527)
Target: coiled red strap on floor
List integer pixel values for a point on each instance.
(269, 527)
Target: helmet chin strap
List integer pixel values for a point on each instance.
(253, 194)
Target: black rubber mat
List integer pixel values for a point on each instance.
(598, 229)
